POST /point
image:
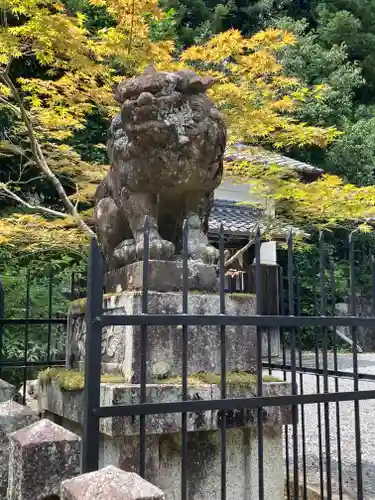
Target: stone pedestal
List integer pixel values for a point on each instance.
(121, 354)
(121, 344)
(120, 437)
(163, 276)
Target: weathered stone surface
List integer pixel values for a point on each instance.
(40, 457)
(163, 276)
(166, 151)
(12, 417)
(204, 465)
(271, 415)
(69, 405)
(121, 344)
(163, 463)
(7, 391)
(31, 394)
(110, 483)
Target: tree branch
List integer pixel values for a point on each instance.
(10, 106)
(35, 208)
(40, 160)
(23, 183)
(242, 250)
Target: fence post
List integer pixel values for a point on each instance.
(94, 310)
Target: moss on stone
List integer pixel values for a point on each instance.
(73, 380)
(241, 295)
(80, 304)
(207, 442)
(234, 379)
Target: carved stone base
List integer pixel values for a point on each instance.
(70, 405)
(121, 349)
(163, 276)
(119, 440)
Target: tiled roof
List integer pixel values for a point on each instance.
(264, 157)
(239, 219)
(236, 219)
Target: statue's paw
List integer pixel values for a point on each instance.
(207, 254)
(203, 252)
(210, 255)
(159, 249)
(125, 253)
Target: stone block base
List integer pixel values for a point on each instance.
(119, 443)
(68, 405)
(163, 463)
(163, 276)
(121, 349)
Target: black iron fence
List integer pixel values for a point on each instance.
(33, 321)
(330, 385)
(321, 386)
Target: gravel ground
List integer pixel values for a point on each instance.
(347, 431)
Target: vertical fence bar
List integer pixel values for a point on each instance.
(2, 315)
(293, 364)
(335, 367)
(283, 340)
(319, 417)
(185, 344)
(300, 363)
(49, 333)
(357, 424)
(269, 351)
(72, 285)
(223, 370)
(323, 312)
(26, 345)
(91, 401)
(259, 308)
(142, 426)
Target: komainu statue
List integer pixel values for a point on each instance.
(166, 151)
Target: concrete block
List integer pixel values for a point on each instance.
(109, 483)
(40, 457)
(12, 417)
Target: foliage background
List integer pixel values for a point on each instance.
(334, 48)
